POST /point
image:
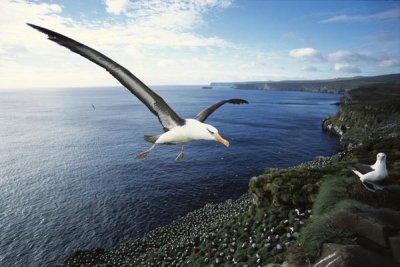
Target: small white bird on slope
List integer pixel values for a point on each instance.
(176, 129)
(369, 174)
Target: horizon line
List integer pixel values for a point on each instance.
(203, 84)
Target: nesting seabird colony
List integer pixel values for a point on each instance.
(214, 235)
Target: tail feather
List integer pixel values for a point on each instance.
(354, 170)
(151, 138)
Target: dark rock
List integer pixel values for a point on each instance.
(335, 255)
(330, 127)
(375, 225)
(394, 242)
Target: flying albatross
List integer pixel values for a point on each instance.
(176, 129)
(369, 174)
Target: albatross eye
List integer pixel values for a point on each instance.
(211, 132)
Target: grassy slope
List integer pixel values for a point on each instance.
(370, 121)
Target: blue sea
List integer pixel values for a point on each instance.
(69, 179)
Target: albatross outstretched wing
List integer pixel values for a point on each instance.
(205, 113)
(167, 116)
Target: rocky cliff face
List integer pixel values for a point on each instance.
(362, 228)
(350, 226)
(366, 113)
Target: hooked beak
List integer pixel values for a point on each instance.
(218, 138)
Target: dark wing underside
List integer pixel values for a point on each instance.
(167, 116)
(369, 186)
(205, 113)
(362, 168)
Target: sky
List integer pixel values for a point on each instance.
(182, 42)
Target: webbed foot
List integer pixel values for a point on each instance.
(142, 155)
(180, 156)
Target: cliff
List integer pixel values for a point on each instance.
(315, 214)
(352, 226)
(367, 113)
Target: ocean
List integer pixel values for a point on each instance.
(69, 179)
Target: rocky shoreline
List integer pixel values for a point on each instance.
(235, 232)
(169, 244)
(299, 216)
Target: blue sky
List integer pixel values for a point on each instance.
(199, 41)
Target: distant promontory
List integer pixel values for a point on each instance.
(338, 85)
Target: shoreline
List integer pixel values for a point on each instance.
(292, 216)
(142, 250)
(178, 234)
(183, 234)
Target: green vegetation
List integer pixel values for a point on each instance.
(330, 193)
(279, 188)
(367, 113)
(332, 198)
(369, 119)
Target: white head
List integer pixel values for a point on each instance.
(214, 135)
(206, 131)
(381, 157)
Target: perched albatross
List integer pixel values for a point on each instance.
(369, 174)
(176, 129)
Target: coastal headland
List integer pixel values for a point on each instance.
(337, 85)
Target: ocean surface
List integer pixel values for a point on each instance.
(69, 179)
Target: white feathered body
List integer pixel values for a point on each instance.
(191, 130)
(379, 170)
(377, 174)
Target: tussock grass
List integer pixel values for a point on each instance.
(312, 236)
(332, 198)
(279, 188)
(332, 190)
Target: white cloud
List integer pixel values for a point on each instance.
(307, 52)
(174, 15)
(346, 68)
(366, 59)
(387, 14)
(135, 42)
(390, 63)
(116, 6)
(157, 40)
(349, 56)
(340, 55)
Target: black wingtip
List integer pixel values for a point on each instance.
(51, 34)
(238, 101)
(41, 29)
(34, 26)
(56, 37)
